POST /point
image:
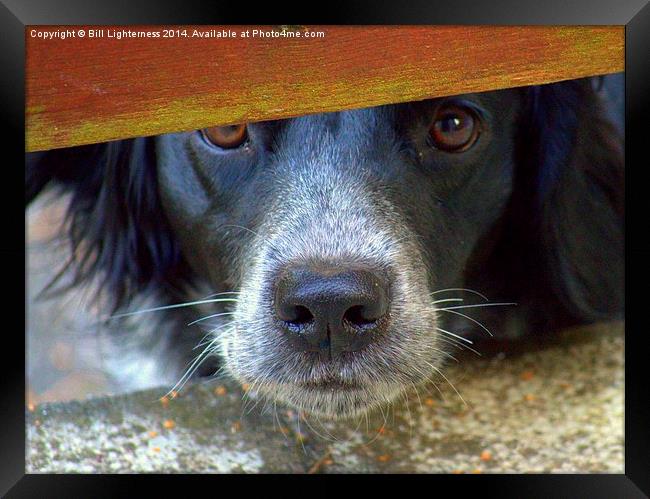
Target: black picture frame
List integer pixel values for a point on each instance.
(635, 15)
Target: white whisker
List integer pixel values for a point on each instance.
(191, 369)
(450, 383)
(454, 335)
(477, 305)
(178, 305)
(468, 318)
(220, 294)
(417, 394)
(446, 354)
(209, 337)
(210, 317)
(462, 289)
(455, 343)
(446, 299)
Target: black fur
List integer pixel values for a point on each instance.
(116, 227)
(561, 241)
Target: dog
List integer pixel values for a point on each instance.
(336, 259)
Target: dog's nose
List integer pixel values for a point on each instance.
(332, 310)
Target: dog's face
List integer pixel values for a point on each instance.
(336, 232)
(336, 229)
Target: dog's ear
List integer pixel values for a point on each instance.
(568, 203)
(117, 231)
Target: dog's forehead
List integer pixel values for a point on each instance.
(340, 128)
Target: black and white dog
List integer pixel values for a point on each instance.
(335, 259)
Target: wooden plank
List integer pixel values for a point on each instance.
(86, 90)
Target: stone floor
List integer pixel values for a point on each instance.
(553, 409)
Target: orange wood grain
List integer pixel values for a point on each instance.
(86, 90)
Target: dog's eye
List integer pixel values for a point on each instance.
(226, 137)
(454, 128)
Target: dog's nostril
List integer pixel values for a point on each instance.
(359, 316)
(300, 315)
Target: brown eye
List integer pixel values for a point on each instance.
(226, 137)
(454, 128)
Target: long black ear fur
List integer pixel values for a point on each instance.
(115, 225)
(566, 220)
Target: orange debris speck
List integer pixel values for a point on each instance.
(31, 407)
(245, 387)
(486, 455)
(429, 401)
(529, 397)
(164, 401)
(457, 472)
(173, 394)
(527, 375)
(169, 424)
(156, 449)
(383, 458)
(153, 434)
(220, 391)
(477, 471)
(236, 426)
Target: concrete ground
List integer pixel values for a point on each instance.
(554, 409)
